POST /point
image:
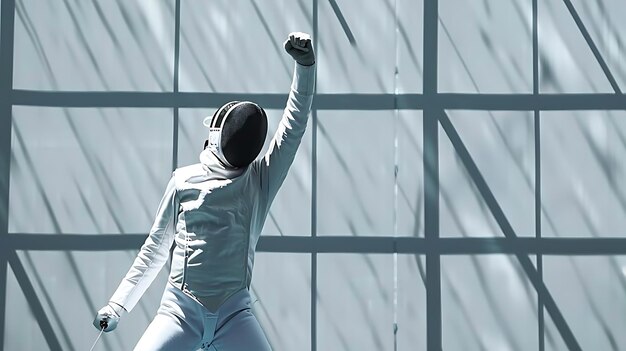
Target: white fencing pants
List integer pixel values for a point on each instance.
(183, 324)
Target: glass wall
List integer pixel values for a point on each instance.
(511, 113)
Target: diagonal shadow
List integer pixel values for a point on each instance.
(337, 329)
(47, 298)
(340, 60)
(508, 231)
(194, 54)
(85, 44)
(481, 276)
(495, 310)
(33, 301)
(39, 48)
(307, 12)
(56, 225)
(585, 289)
(446, 199)
(117, 44)
(343, 163)
(343, 22)
(606, 168)
(370, 265)
(465, 314)
(150, 59)
(35, 41)
(611, 26)
(273, 218)
(405, 37)
(268, 316)
(592, 45)
(595, 310)
(508, 147)
(266, 27)
(357, 293)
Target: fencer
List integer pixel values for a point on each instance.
(214, 212)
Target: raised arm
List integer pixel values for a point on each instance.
(149, 261)
(273, 167)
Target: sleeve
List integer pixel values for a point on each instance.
(273, 167)
(152, 255)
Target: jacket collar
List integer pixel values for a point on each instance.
(216, 169)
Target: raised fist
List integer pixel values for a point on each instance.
(300, 47)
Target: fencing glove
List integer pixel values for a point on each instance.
(300, 47)
(108, 317)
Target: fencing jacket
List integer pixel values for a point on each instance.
(215, 214)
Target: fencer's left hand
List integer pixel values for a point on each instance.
(108, 317)
(300, 47)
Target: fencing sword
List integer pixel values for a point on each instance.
(103, 326)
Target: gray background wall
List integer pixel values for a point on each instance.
(101, 99)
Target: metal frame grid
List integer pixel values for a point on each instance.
(431, 102)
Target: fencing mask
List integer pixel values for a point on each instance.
(237, 132)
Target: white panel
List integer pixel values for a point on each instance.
(410, 197)
(355, 303)
(502, 146)
(590, 294)
(487, 303)
(582, 167)
(365, 65)
(281, 292)
(88, 170)
(94, 45)
(290, 213)
(485, 46)
(567, 64)
(237, 46)
(409, 37)
(411, 309)
(355, 172)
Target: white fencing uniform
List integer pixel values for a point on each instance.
(220, 214)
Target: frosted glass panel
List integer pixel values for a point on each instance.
(410, 194)
(502, 146)
(281, 291)
(567, 64)
(237, 46)
(488, 303)
(352, 61)
(485, 46)
(582, 163)
(88, 171)
(355, 152)
(590, 294)
(94, 45)
(355, 303)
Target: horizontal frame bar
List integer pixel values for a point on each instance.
(341, 244)
(504, 102)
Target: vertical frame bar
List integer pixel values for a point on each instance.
(314, 188)
(7, 11)
(431, 178)
(176, 70)
(537, 137)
